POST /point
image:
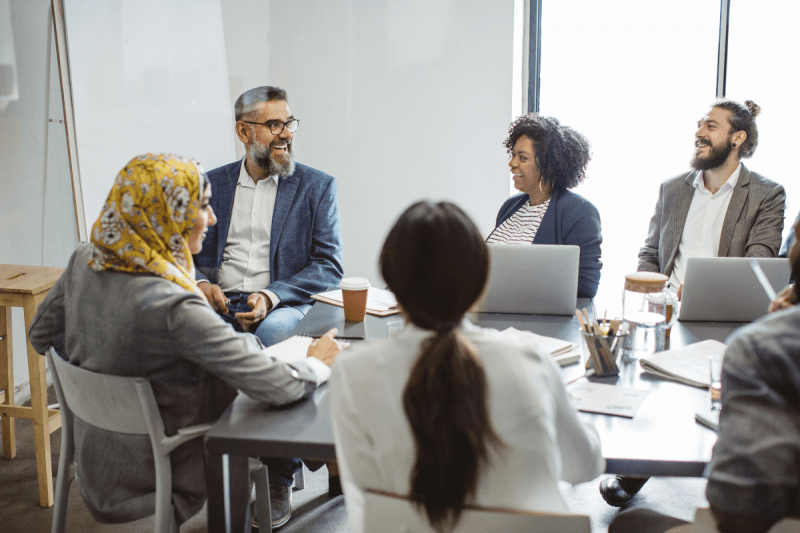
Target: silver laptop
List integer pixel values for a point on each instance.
(538, 279)
(725, 289)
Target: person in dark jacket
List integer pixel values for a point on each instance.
(548, 159)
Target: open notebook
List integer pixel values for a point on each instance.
(380, 302)
(291, 350)
(563, 352)
(687, 365)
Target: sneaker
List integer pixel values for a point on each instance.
(280, 500)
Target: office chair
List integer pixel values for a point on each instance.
(390, 513)
(124, 405)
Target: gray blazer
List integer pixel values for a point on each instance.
(752, 225)
(143, 325)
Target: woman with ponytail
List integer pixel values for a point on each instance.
(446, 413)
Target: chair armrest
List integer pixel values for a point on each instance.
(195, 431)
(184, 435)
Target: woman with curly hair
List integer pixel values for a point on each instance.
(548, 159)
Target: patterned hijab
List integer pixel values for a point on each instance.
(148, 217)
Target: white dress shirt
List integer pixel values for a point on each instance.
(245, 261)
(703, 226)
(528, 406)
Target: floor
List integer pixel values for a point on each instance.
(313, 509)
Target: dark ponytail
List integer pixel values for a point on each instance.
(436, 263)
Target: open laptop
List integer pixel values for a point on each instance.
(725, 289)
(539, 279)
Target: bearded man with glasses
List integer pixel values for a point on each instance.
(278, 240)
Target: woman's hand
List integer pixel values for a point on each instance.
(785, 299)
(326, 348)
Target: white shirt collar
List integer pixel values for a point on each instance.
(246, 181)
(730, 183)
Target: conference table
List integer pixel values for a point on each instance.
(662, 439)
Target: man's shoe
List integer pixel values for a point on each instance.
(280, 504)
(620, 490)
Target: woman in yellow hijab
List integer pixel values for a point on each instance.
(145, 221)
(128, 305)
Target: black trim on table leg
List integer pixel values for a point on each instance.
(238, 519)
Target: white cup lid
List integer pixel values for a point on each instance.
(354, 284)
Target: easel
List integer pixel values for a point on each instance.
(57, 22)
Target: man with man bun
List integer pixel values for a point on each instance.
(718, 209)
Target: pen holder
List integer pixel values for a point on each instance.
(603, 353)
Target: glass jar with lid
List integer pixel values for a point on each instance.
(647, 311)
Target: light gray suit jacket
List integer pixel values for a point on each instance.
(752, 226)
(143, 325)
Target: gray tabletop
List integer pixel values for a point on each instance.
(661, 440)
(661, 434)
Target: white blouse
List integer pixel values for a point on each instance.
(528, 405)
(522, 226)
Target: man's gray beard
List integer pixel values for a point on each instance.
(262, 155)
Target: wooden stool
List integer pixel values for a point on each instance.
(26, 287)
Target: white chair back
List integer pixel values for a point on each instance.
(389, 513)
(103, 401)
(114, 403)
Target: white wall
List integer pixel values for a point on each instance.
(147, 76)
(398, 99)
(23, 196)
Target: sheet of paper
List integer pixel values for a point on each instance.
(606, 399)
(377, 299)
(568, 357)
(291, 350)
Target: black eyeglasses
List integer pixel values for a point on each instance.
(276, 126)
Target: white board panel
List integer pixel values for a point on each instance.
(147, 76)
(399, 100)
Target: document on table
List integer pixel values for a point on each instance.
(291, 350)
(708, 417)
(606, 399)
(687, 365)
(563, 352)
(380, 302)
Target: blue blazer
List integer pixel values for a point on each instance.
(305, 247)
(569, 219)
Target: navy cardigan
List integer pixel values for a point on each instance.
(569, 219)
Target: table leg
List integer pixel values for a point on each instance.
(7, 382)
(229, 512)
(41, 416)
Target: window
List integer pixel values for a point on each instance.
(634, 78)
(763, 46)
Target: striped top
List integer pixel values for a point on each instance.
(521, 227)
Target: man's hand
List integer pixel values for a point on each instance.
(259, 307)
(326, 348)
(680, 292)
(214, 295)
(784, 300)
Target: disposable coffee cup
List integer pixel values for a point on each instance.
(354, 295)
